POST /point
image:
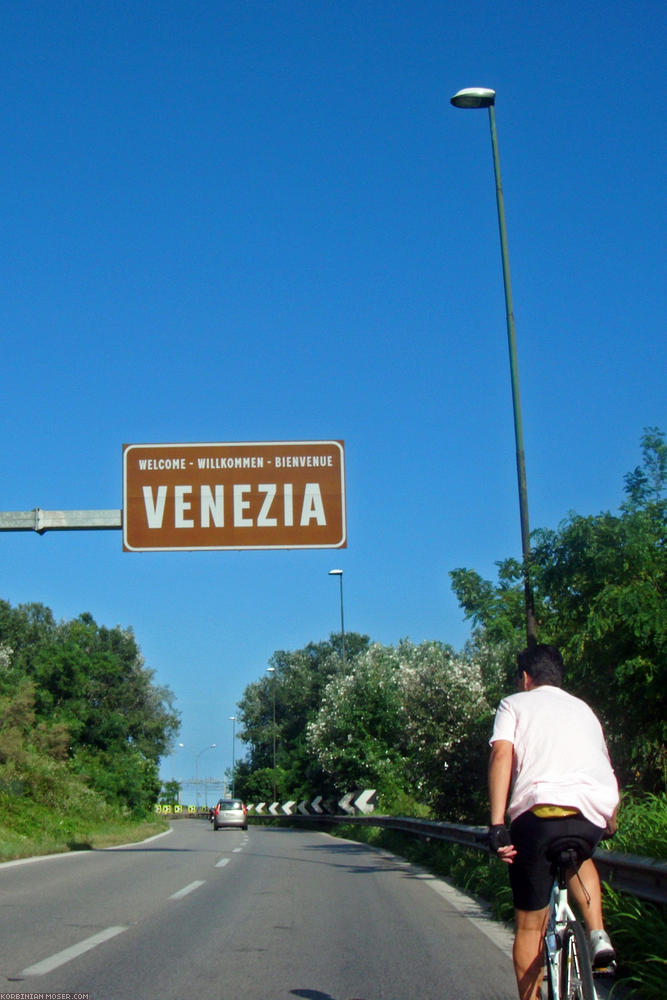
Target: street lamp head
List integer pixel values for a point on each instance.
(271, 670)
(474, 97)
(335, 572)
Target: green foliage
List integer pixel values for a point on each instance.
(52, 811)
(448, 718)
(606, 578)
(169, 793)
(22, 735)
(35, 786)
(295, 689)
(121, 774)
(356, 734)
(497, 664)
(398, 802)
(257, 785)
(499, 609)
(413, 721)
(642, 826)
(600, 585)
(645, 485)
(80, 693)
(639, 932)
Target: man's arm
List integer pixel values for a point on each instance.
(500, 777)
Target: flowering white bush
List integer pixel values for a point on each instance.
(355, 736)
(404, 717)
(447, 715)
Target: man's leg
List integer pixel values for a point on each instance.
(588, 896)
(528, 952)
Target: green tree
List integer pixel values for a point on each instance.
(357, 734)
(606, 578)
(645, 485)
(600, 589)
(407, 720)
(297, 682)
(498, 609)
(90, 683)
(170, 793)
(447, 725)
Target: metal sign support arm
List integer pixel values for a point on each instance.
(60, 520)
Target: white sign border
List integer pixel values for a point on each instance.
(235, 548)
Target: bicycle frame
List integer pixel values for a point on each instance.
(560, 913)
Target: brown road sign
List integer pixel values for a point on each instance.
(248, 495)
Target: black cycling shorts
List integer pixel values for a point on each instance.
(531, 875)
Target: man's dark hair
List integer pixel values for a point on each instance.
(542, 663)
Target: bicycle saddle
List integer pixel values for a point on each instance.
(569, 852)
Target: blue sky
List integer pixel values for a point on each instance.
(261, 221)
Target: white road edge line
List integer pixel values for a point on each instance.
(187, 889)
(138, 843)
(476, 912)
(472, 909)
(61, 957)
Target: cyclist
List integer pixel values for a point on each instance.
(550, 771)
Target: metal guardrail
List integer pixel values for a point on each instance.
(644, 878)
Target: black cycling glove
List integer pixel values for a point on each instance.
(498, 837)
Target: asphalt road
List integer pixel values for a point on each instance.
(270, 914)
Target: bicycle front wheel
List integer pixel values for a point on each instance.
(576, 981)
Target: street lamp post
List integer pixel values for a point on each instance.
(481, 97)
(232, 719)
(211, 746)
(339, 574)
(272, 671)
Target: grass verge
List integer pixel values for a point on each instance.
(28, 830)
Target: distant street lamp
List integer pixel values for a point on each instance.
(272, 671)
(211, 746)
(232, 719)
(339, 574)
(482, 97)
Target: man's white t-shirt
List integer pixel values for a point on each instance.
(560, 754)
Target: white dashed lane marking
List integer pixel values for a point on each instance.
(186, 890)
(61, 957)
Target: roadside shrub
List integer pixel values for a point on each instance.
(642, 826)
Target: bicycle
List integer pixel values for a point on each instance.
(569, 974)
